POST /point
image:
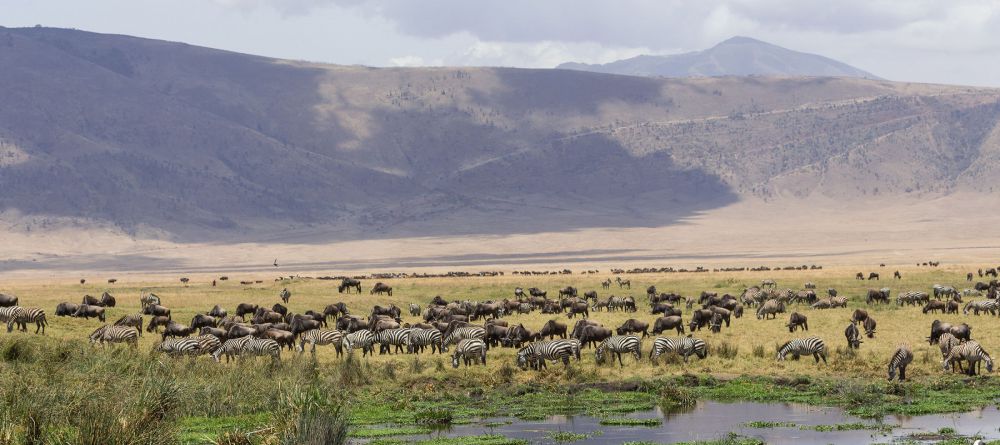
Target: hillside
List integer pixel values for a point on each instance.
(737, 56)
(188, 143)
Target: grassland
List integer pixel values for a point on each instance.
(258, 402)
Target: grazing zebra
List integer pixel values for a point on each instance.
(115, 334)
(470, 351)
(248, 345)
(179, 346)
(207, 344)
(943, 291)
(399, 338)
(912, 298)
(524, 308)
(421, 338)
(616, 303)
(321, 337)
(464, 333)
(685, 346)
(990, 306)
(576, 347)
(617, 345)
(971, 352)
(902, 357)
(28, 315)
(804, 346)
(134, 321)
(840, 301)
(537, 353)
(947, 342)
(363, 339)
(10, 314)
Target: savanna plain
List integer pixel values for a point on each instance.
(59, 388)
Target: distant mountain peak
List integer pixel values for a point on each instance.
(735, 56)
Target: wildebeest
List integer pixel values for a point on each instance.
(280, 309)
(770, 307)
(155, 322)
(869, 326)
(106, 300)
(934, 306)
(897, 275)
(873, 276)
(335, 310)
(518, 293)
(961, 332)
(88, 311)
(551, 329)
(592, 335)
(877, 296)
(536, 292)
(699, 319)
(217, 312)
(859, 316)
(859, 276)
(853, 336)
(633, 326)
(66, 309)
(381, 288)
(797, 320)
(347, 284)
(243, 309)
(175, 329)
(670, 322)
(7, 300)
(202, 320)
(578, 308)
(282, 337)
(568, 291)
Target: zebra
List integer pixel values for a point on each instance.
(947, 342)
(616, 303)
(115, 334)
(840, 301)
(753, 296)
(991, 306)
(230, 348)
(911, 298)
(179, 346)
(972, 352)
(322, 337)
(685, 346)
(363, 339)
(10, 315)
(899, 360)
(250, 346)
(576, 347)
(421, 338)
(392, 337)
(617, 345)
(943, 291)
(537, 353)
(134, 321)
(470, 351)
(28, 315)
(148, 299)
(207, 344)
(464, 333)
(804, 346)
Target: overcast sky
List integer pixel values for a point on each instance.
(946, 41)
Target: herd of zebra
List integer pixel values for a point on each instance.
(443, 324)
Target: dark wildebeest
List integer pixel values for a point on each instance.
(519, 335)
(217, 312)
(934, 306)
(175, 329)
(155, 322)
(699, 319)
(88, 311)
(551, 329)
(869, 326)
(495, 334)
(300, 325)
(536, 292)
(853, 336)
(335, 310)
(633, 326)
(392, 310)
(219, 333)
(239, 331)
(518, 293)
(347, 284)
(280, 309)
(282, 337)
(961, 332)
(722, 312)
(7, 300)
(202, 320)
(591, 295)
(897, 275)
(670, 322)
(859, 276)
(594, 335)
(877, 296)
(156, 310)
(66, 309)
(873, 276)
(578, 308)
(568, 291)
(859, 316)
(666, 309)
(381, 288)
(797, 320)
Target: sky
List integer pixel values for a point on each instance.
(947, 41)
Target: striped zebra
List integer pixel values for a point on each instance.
(421, 338)
(464, 333)
(536, 354)
(943, 291)
(685, 346)
(134, 321)
(616, 303)
(617, 345)
(753, 296)
(840, 301)
(249, 346)
(322, 337)
(803, 346)
(971, 352)
(470, 351)
(400, 338)
(28, 315)
(10, 315)
(363, 339)
(207, 344)
(179, 346)
(898, 362)
(115, 334)
(990, 306)
(912, 298)
(576, 347)
(947, 342)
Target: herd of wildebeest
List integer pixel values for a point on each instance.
(475, 327)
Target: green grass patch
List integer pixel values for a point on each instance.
(630, 421)
(368, 433)
(848, 427)
(765, 424)
(486, 439)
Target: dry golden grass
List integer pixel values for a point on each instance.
(896, 325)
